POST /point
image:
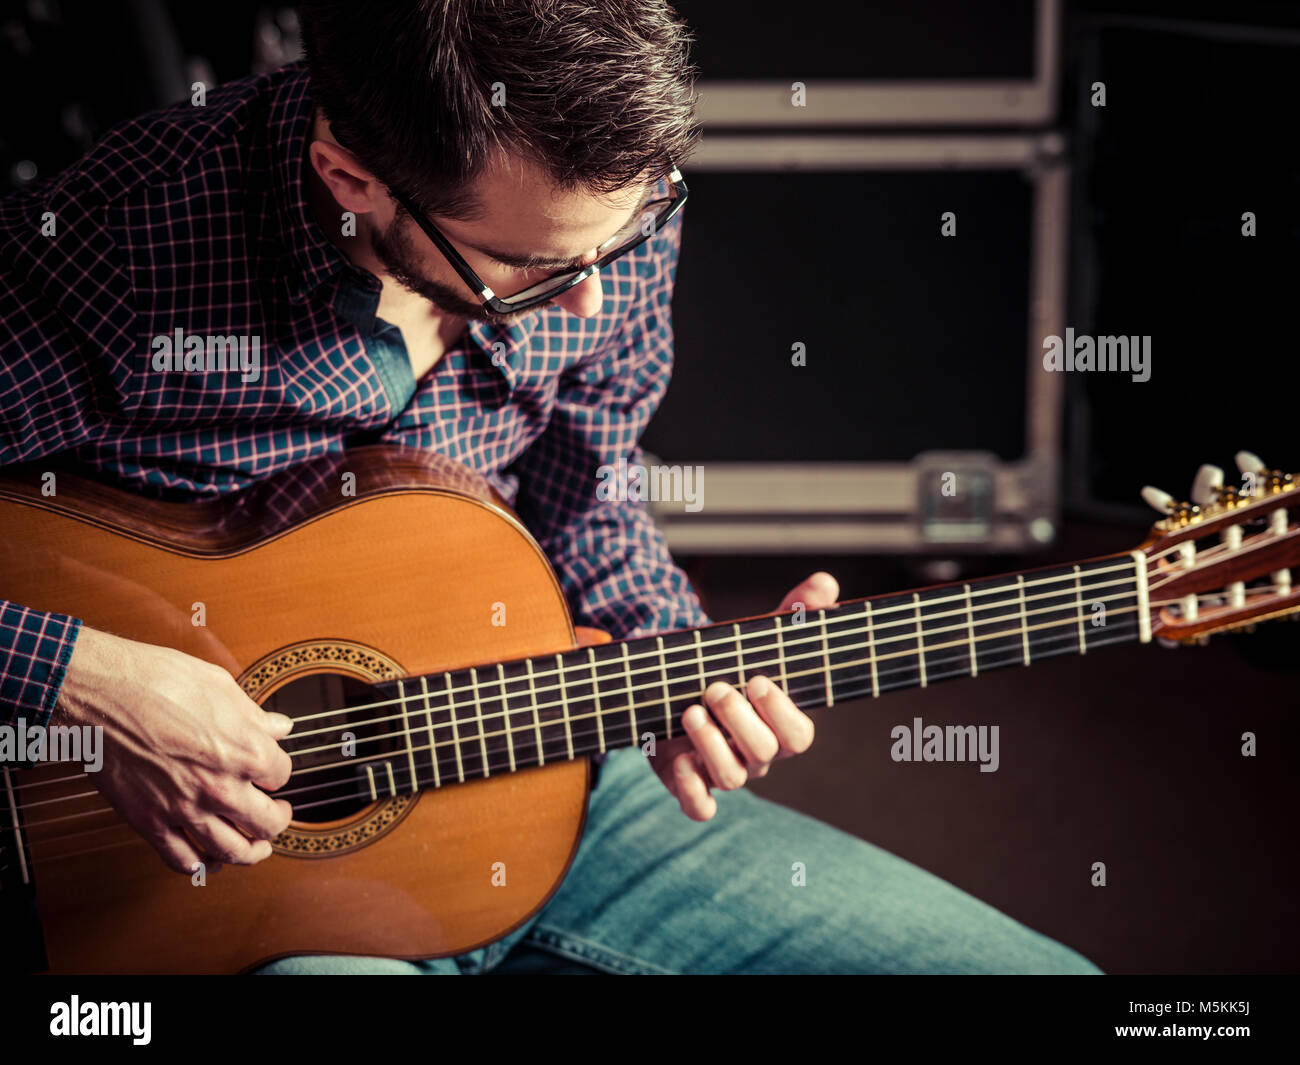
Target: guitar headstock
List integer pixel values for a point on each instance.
(1223, 560)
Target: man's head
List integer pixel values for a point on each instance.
(528, 131)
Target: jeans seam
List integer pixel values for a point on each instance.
(582, 950)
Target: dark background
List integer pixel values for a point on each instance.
(1129, 756)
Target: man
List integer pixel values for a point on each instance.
(405, 224)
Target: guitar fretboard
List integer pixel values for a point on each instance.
(471, 723)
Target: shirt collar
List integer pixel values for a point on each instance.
(510, 343)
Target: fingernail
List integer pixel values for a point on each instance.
(759, 687)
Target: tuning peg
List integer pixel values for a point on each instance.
(1208, 479)
(1161, 501)
(1249, 462)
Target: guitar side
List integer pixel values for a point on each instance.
(400, 578)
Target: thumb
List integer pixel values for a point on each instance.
(818, 592)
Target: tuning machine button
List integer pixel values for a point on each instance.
(1274, 481)
(1229, 496)
(1183, 513)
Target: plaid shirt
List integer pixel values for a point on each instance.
(196, 218)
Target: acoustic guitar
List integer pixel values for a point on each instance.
(445, 706)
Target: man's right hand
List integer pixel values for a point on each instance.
(188, 757)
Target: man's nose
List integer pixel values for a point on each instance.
(584, 300)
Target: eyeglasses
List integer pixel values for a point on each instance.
(653, 216)
(643, 225)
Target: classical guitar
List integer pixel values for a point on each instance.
(444, 702)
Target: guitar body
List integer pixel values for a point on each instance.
(405, 576)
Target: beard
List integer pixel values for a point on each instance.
(393, 247)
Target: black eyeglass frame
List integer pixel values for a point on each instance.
(491, 301)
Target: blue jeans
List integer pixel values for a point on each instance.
(651, 891)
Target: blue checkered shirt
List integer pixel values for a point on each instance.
(196, 218)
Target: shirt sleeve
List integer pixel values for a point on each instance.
(43, 392)
(34, 652)
(612, 560)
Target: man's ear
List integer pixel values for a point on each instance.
(351, 184)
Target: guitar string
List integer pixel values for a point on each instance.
(844, 618)
(821, 646)
(790, 636)
(1012, 656)
(1074, 576)
(581, 671)
(847, 618)
(620, 711)
(850, 619)
(134, 839)
(535, 726)
(480, 718)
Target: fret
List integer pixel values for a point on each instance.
(17, 828)
(609, 693)
(521, 736)
(1111, 596)
(920, 636)
(433, 742)
(944, 635)
(537, 717)
(682, 665)
(631, 698)
(826, 662)
(1055, 610)
(850, 668)
(392, 783)
(699, 660)
(871, 650)
(482, 722)
(998, 640)
(780, 654)
(740, 658)
(406, 728)
(1024, 620)
(370, 779)
(505, 714)
(668, 706)
(970, 628)
(894, 633)
(595, 695)
(762, 653)
(455, 729)
(1078, 594)
(564, 705)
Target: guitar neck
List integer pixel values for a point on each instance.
(471, 723)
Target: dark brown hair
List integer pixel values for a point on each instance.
(596, 92)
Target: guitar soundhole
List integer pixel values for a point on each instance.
(346, 750)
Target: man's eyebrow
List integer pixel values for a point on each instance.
(530, 262)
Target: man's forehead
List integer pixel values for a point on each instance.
(525, 216)
(511, 184)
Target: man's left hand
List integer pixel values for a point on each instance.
(746, 731)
